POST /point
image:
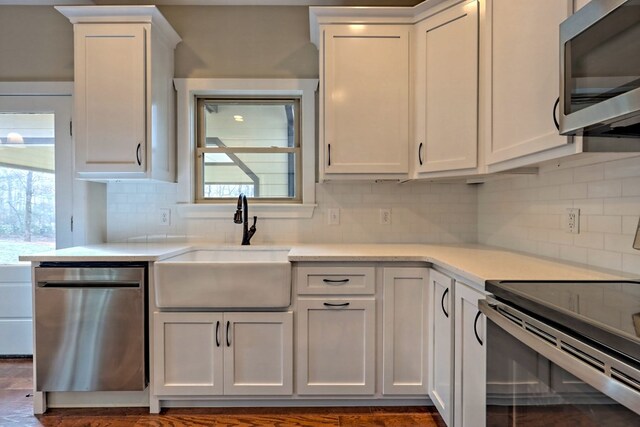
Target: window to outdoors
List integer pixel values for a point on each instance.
(27, 185)
(250, 146)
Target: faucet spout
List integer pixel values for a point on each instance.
(242, 217)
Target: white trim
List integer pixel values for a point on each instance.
(188, 89)
(262, 210)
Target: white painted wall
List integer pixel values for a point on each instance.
(526, 213)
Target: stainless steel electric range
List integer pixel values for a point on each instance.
(563, 353)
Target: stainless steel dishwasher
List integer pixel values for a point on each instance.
(90, 327)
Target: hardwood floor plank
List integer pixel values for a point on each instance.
(16, 410)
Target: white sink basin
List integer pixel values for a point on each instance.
(224, 278)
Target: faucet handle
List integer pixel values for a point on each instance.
(255, 219)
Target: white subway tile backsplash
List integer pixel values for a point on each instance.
(607, 194)
(605, 189)
(524, 213)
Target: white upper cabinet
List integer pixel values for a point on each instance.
(123, 124)
(364, 113)
(521, 37)
(446, 91)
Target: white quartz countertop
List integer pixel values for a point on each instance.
(111, 252)
(476, 263)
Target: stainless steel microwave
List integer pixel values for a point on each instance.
(600, 70)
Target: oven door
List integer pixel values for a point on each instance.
(539, 376)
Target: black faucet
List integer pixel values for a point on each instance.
(239, 218)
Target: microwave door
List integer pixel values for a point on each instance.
(600, 70)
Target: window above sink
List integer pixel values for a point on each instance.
(217, 160)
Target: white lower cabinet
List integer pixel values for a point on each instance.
(336, 346)
(404, 333)
(441, 343)
(223, 353)
(470, 358)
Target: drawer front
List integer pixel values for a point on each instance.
(336, 281)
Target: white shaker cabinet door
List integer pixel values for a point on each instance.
(258, 353)
(447, 90)
(110, 97)
(188, 353)
(470, 358)
(365, 78)
(522, 39)
(336, 346)
(404, 335)
(441, 344)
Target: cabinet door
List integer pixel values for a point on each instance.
(110, 97)
(258, 353)
(441, 343)
(366, 98)
(522, 42)
(187, 353)
(336, 346)
(470, 358)
(447, 90)
(404, 335)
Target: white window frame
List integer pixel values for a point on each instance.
(53, 97)
(189, 89)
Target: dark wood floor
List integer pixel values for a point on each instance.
(16, 411)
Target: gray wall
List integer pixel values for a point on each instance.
(243, 42)
(36, 43)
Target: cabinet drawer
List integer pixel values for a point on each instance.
(336, 280)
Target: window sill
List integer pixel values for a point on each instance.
(261, 210)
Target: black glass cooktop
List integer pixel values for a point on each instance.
(606, 312)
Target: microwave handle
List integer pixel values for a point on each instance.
(555, 108)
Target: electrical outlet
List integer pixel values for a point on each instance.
(164, 217)
(572, 221)
(333, 216)
(385, 216)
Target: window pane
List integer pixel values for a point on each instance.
(264, 175)
(27, 185)
(228, 124)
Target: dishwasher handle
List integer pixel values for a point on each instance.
(106, 284)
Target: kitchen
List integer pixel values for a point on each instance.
(522, 212)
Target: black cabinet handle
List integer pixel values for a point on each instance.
(555, 108)
(335, 281)
(442, 302)
(475, 327)
(420, 153)
(228, 340)
(218, 333)
(344, 304)
(328, 154)
(138, 155)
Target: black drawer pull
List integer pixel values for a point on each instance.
(228, 340)
(344, 304)
(335, 281)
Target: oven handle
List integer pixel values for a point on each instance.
(514, 323)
